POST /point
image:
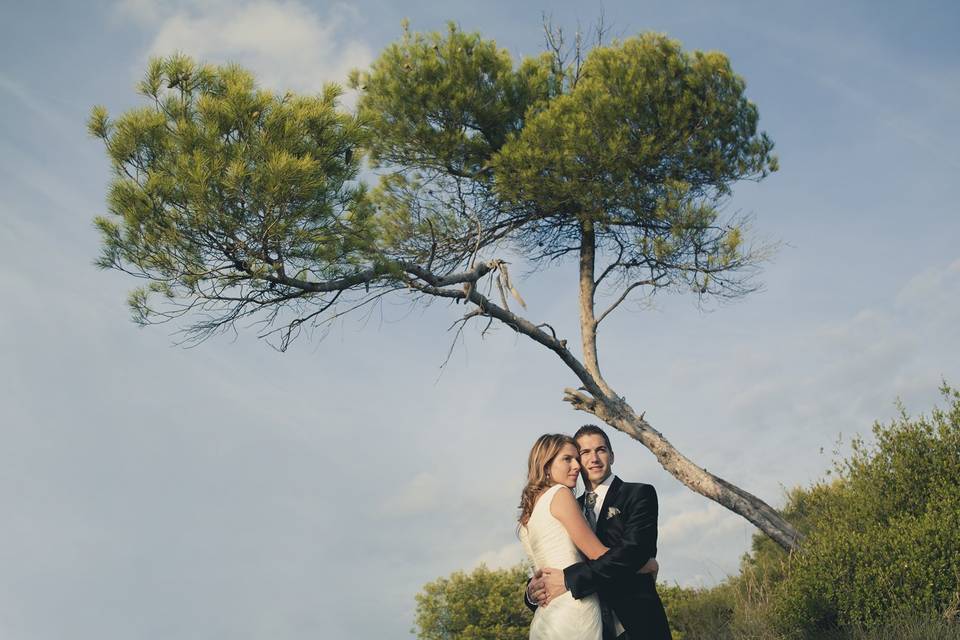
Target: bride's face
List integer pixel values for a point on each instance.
(565, 467)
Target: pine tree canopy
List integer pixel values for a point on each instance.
(233, 201)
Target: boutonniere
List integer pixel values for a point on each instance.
(612, 512)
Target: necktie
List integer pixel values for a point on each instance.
(589, 502)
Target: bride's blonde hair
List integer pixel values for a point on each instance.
(544, 450)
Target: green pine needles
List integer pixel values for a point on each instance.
(223, 192)
(233, 201)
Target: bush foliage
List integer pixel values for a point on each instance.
(881, 558)
(482, 605)
(883, 539)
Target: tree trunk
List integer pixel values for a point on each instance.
(619, 415)
(613, 410)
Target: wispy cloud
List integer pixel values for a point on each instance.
(509, 555)
(418, 496)
(904, 95)
(36, 106)
(701, 523)
(285, 43)
(932, 293)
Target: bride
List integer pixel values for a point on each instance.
(554, 533)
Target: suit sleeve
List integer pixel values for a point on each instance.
(639, 544)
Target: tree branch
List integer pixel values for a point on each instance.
(623, 297)
(612, 265)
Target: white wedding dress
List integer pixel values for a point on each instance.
(548, 545)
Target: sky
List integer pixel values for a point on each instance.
(230, 491)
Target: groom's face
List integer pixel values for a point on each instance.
(595, 458)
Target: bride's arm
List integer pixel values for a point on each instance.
(564, 508)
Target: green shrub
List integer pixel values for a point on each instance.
(697, 613)
(482, 605)
(911, 628)
(881, 557)
(883, 537)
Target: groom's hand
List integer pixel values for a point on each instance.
(554, 584)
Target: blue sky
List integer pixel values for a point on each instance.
(230, 491)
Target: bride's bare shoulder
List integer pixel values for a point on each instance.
(563, 500)
(550, 493)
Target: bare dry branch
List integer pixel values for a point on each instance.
(552, 332)
(623, 296)
(579, 401)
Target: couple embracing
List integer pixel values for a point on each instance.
(595, 556)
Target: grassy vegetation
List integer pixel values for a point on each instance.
(731, 612)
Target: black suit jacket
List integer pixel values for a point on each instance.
(627, 524)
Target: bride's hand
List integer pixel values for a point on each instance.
(652, 567)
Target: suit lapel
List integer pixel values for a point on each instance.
(607, 501)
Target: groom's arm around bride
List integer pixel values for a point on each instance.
(632, 523)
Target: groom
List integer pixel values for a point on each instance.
(624, 517)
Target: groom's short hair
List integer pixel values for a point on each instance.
(592, 430)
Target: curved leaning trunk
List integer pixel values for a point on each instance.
(610, 407)
(619, 415)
